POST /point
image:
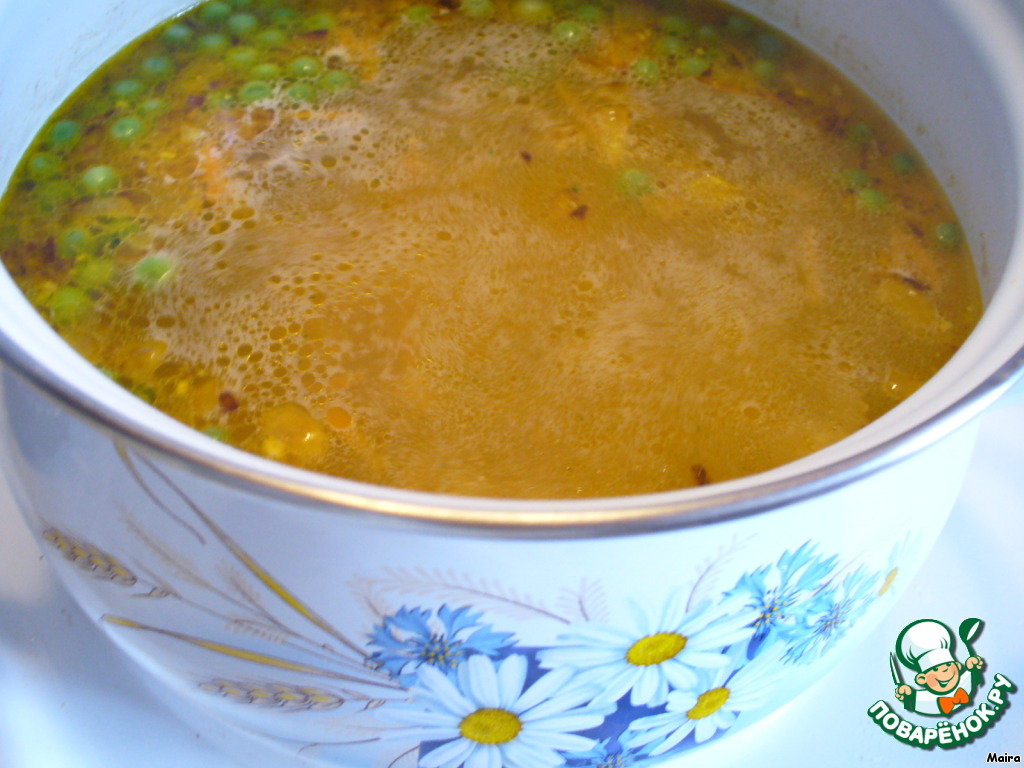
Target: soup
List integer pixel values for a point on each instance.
(515, 249)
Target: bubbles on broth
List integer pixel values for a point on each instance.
(496, 257)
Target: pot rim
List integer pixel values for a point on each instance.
(594, 517)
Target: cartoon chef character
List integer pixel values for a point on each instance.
(927, 646)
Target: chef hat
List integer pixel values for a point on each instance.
(925, 644)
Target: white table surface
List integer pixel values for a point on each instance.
(69, 700)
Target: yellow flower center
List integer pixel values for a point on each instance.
(708, 703)
(490, 726)
(655, 649)
(888, 581)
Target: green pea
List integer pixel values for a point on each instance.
(284, 17)
(153, 270)
(271, 38)
(680, 26)
(634, 182)
(214, 42)
(532, 11)
(51, 195)
(304, 66)
(337, 80)
(302, 92)
(100, 180)
(9, 237)
(477, 9)
(318, 22)
(591, 14)
(127, 90)
(708, 33)
(157, 67)
(769, 46)
(872, 199)
(255, 90)
(242, 57)
(114, 232)
(68, 304)
(695, 66)
(99, 107)
(265, 72)
(569, 32)
(852, 179)
(215, 12)
(904, 163)
(671, 46)
(178, 34)
(242, 24)
(739, 26)
(217, 433)
(74, 242)
(43, 165)
(64, 134)
(766, 72)
(95, 274)
(153, 106)
(126, 129)
(949, 235)
(860, 133)
(646, 70)
(220, 99)
(418, 14)
(143, 392)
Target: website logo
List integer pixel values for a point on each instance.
(930, 681)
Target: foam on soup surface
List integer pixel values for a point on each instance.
(515, 249)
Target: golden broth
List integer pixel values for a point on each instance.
(520, 249)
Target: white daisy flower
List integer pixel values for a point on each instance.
(484, 718)
(712, 707)
(651, 656)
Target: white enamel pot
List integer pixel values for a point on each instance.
(391, 628)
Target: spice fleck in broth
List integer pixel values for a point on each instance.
(515, 249)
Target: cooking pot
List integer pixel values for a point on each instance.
(387, 627)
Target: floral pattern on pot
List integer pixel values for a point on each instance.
(454, 679)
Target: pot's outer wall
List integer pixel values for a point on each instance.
(231, 598)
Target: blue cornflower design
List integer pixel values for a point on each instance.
(829, 614)
(605, 754)
(775, 593)
(414, 637)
